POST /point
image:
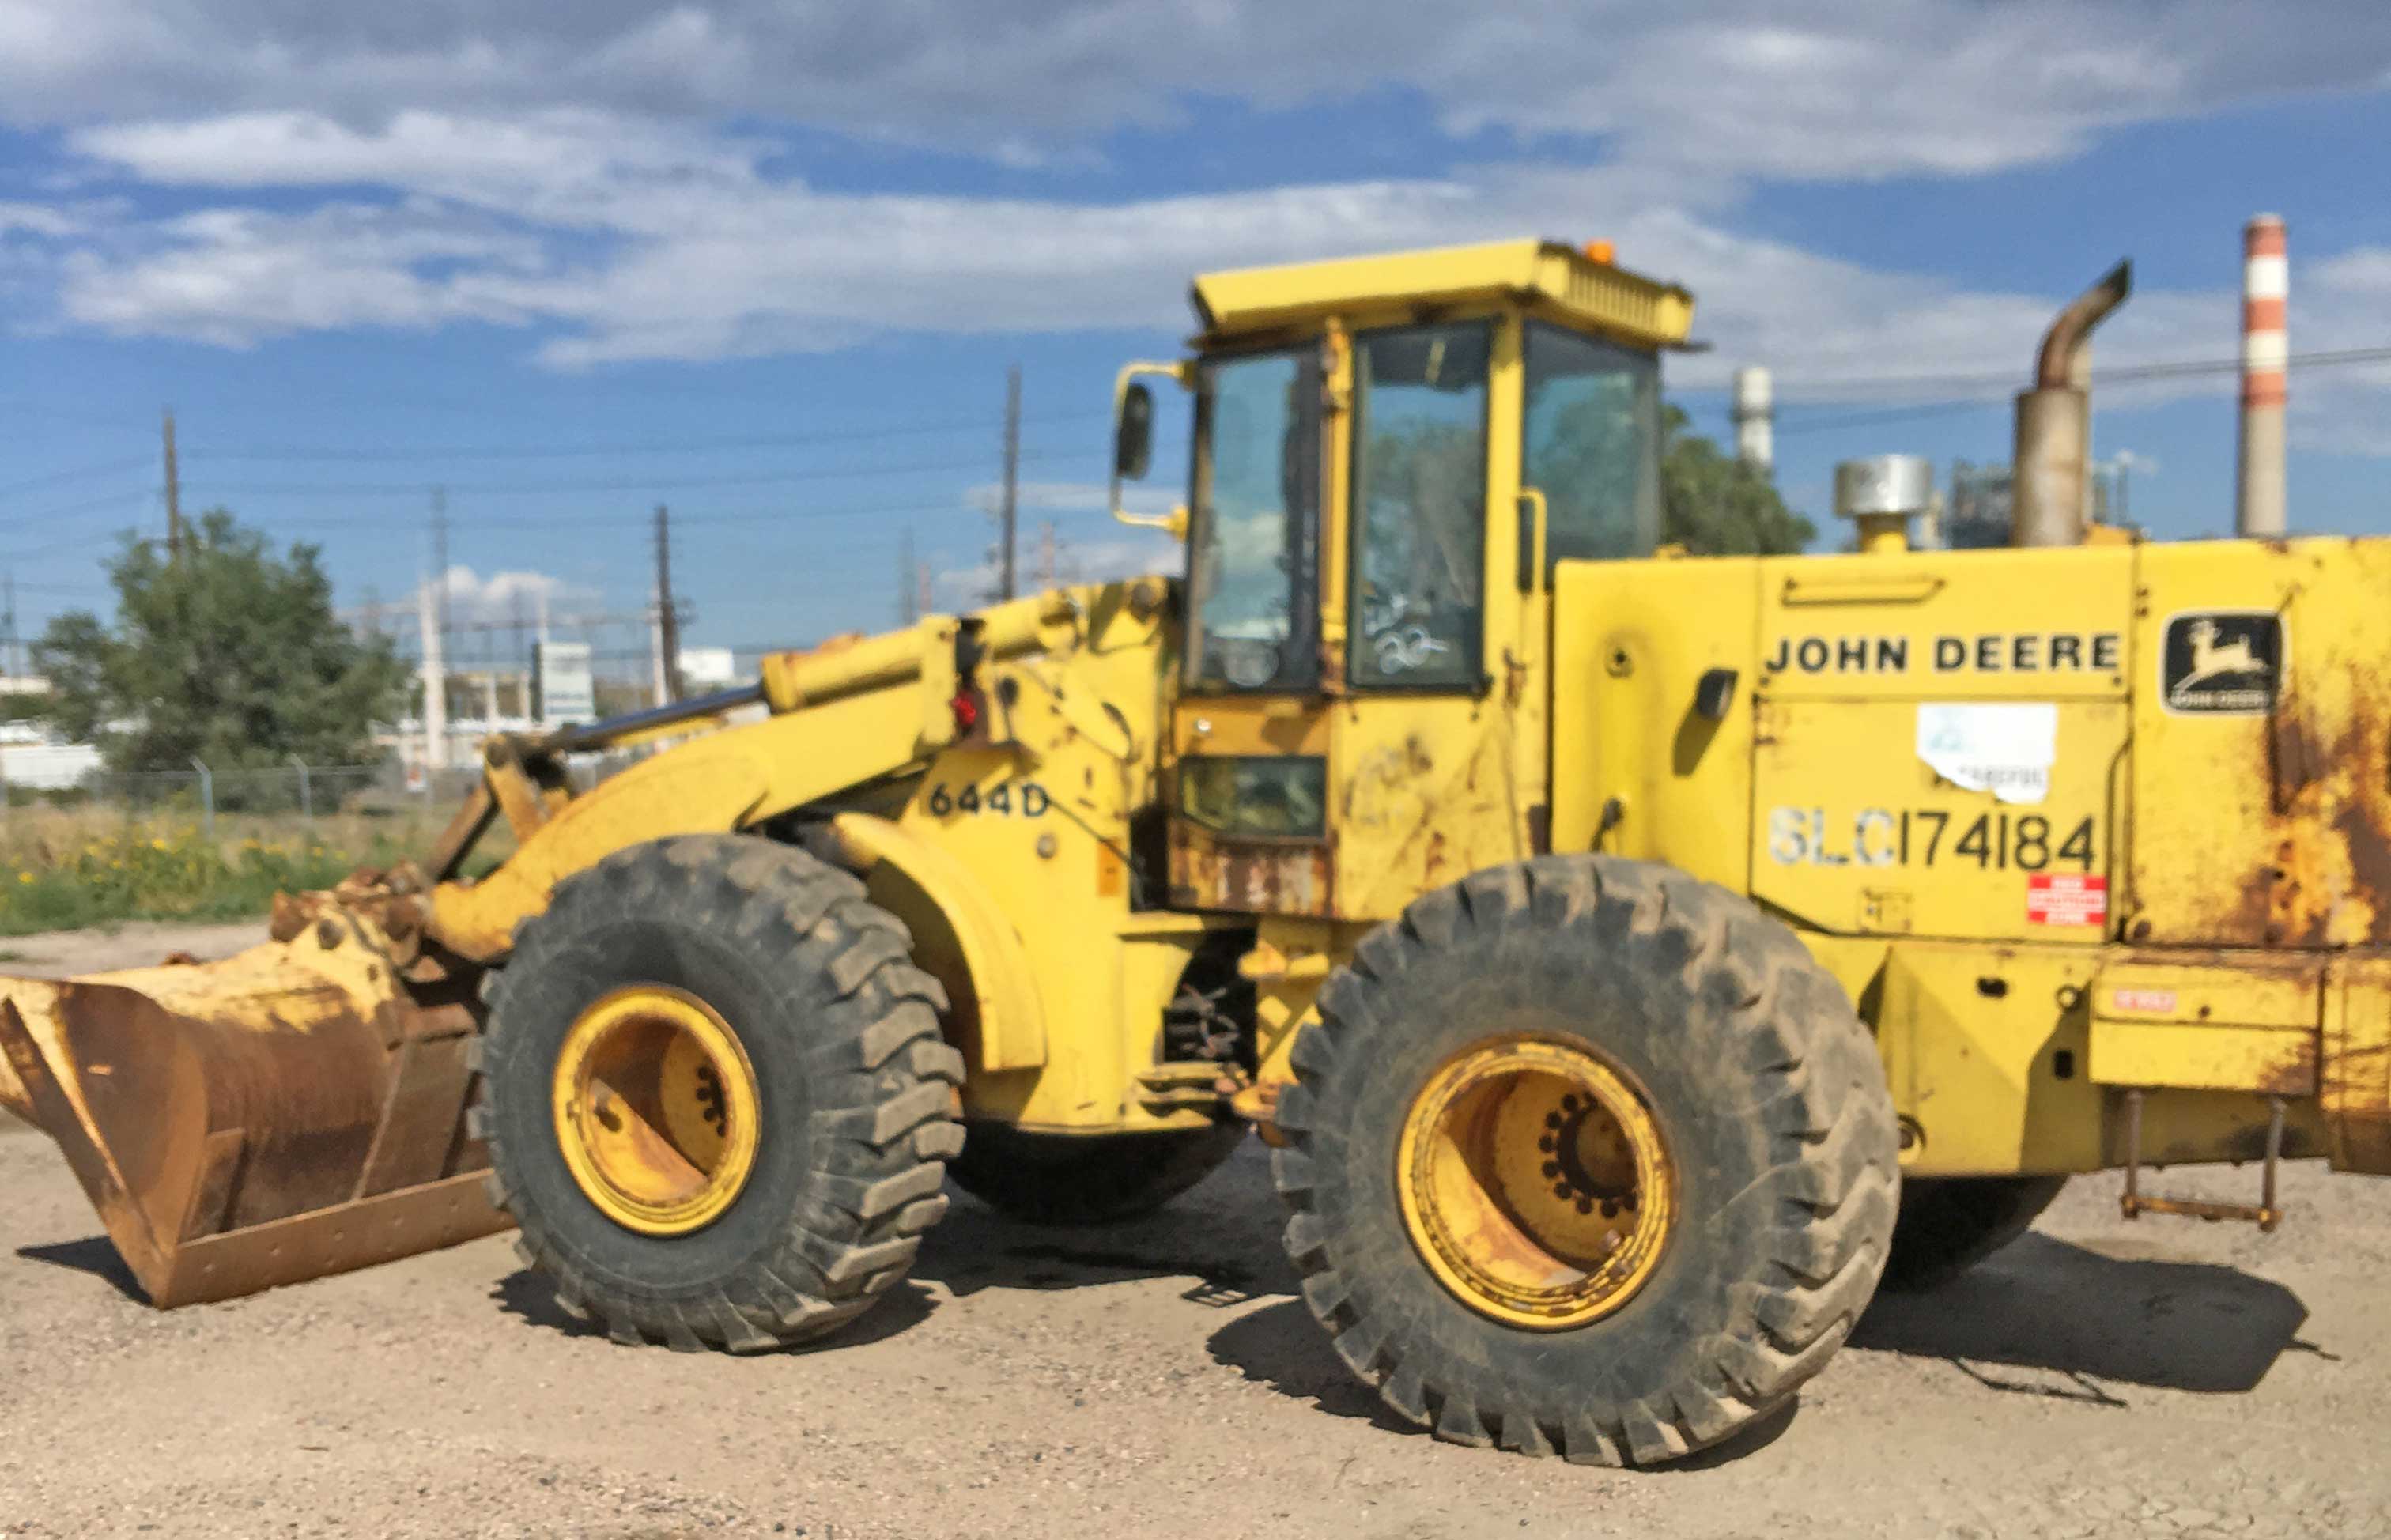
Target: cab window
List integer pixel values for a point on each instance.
(1592, 427)
(1420, 505)
(1251, 565)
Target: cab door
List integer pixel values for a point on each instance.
(1436, 754)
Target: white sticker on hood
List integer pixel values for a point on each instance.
(2007, 750)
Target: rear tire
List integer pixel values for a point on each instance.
(1949, 1224)
(1068, 1179)
(1772, 1201)
(851, 1088)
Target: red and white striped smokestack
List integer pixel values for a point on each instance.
(2265, 284)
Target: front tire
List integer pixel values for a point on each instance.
(1653, 1261)
(716, 1096)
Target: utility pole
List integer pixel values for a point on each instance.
(906, 613)
(435, 681)
(1012, 477)
(440, 559)
(1046, 572)
(667, 624)
(10, 662)
(432, 617)
(173, 495)
(922, 604)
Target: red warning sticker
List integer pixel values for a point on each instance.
(2066, 898)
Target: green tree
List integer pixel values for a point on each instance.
(1715, 504)
(230, 654)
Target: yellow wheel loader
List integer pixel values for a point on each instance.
(1629, 957)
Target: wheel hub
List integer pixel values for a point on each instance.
(1534, 1182)
(657, 1109)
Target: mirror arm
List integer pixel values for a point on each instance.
(1174, 522)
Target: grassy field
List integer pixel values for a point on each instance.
(63, 869)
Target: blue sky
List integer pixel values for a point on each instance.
(768, 264)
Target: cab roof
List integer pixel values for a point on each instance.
(1547, 274)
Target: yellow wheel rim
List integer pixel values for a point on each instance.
(657, 1109)
(1535, 1183)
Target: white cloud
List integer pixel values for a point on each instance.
(651, 249)
(1776, 87)
(562, 169)
(233, 275)
(509, 597)
(39, 219)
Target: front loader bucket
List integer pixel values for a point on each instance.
(281, 1115)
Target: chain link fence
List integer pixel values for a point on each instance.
(306, 790)
(200, 793)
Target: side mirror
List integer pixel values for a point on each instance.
(1133, 440)
(1133, 433)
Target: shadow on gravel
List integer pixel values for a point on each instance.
(2043, 1304)
(1283, 1347)
(93, 1254)
(530, 1297)
(1224, 1236)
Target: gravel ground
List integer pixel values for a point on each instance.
(1159, 1378)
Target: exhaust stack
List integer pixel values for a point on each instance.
(2054, 422)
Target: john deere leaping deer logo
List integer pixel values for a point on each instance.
(2221, 661)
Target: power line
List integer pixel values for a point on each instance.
(59, 478)
(2130, 374)
(666, 446)
(2125, 375)
(279, 526)
(607, 484)
(1890, 414)
(20, 520)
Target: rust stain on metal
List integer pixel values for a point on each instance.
(2327, 880)
(2292, 1071)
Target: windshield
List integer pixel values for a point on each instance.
(1256, 499)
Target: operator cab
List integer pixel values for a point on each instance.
(1388, 455)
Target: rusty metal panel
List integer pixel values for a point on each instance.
(2215, 1021)
(1423, 791)
(2357, 1090)
(2262, 745)
(2213, 990)
(2269, 1060)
